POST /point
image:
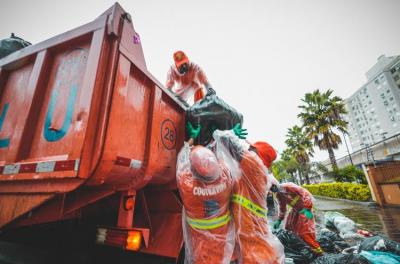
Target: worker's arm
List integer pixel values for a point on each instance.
(198, 95)
(282, 206)
(170, 79)
(230, 142)
(201, 76)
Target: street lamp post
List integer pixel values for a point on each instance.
(370, 153)
(347, 147)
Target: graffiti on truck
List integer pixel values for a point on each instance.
(4, 142)
(69, 74)
(69, 70)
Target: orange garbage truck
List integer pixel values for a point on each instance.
(86, 132)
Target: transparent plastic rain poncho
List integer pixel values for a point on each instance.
(186, 85)
(207, 222)
(297, 198)
(251, 183)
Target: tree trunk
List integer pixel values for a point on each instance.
(332, 158)
(300, 177)
(306, 175)
(293, 178)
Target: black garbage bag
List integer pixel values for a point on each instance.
(380, 243)
(12, 44)
(212, 113)
(341, 259)
(295, 248)
(331, 242)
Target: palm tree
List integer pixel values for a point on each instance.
(279, 170)
(300, 147)
(321, 115)
(285, 167)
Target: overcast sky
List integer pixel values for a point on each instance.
(260, 56)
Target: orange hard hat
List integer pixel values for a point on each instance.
(204, 162)
(266, 152)
(180, 58)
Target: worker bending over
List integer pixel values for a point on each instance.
(186, 78)
(256, 244)
(300, 219)
(205, 185)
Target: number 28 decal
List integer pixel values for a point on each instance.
(168, 134)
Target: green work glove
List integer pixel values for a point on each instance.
(239, 131)
(193, 132)
(277, 223)
(307, 213)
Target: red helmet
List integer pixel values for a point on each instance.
(266, 152)
(204, 162)
(180, 58)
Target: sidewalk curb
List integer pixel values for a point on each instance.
(370, 204)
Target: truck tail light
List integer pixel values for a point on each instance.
(123, 238)
(134, 240)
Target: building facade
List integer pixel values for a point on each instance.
(374, 109)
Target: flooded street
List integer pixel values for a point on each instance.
(367, 216)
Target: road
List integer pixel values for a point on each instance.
(369, 217)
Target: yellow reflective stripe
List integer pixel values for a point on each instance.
(249, 205)
(294, 201)
(209, 223)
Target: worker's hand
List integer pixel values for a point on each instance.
(239, 131)
(307, 213)
(193, 132)
(277, 223)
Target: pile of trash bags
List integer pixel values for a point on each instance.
(331, 242)
(295, 248)
(380, 250)
(345, 226)
(371, 250)
(341, 259)
(343, 244)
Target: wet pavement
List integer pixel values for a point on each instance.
(367, 216)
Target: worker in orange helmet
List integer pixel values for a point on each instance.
(205, 186)
(255, 242)
(300, 220)
(185, 78)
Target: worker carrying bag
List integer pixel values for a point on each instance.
(205, 186)
(251, 181)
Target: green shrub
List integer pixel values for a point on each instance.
(344, 190)
(349, 173)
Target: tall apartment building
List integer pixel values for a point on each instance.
(374, 110)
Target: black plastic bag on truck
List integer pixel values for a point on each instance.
(212, 113)
(295, 248)
(12, 44)
(331, 242)
(341, 259)
(380, 243)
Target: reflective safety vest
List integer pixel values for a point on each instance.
(249, 205)
(294, 201)
(207, 224)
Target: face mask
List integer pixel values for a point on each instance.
(274, 188)
(183, 68)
